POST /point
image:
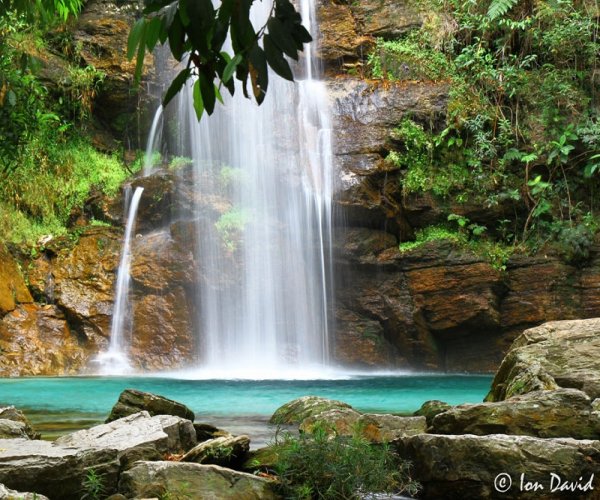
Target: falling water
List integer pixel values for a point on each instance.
(115, 360)
(264, 276)
(153, 141)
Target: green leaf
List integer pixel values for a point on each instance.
(135, 36)
(500, 7)
(218, 95)
(207, 89)
(276, 60)
(176, 84)
(231, 67)
(198, 102)
(281, 38)
(259, 73)
(153, 29)
(12, 98)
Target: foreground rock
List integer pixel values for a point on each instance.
(132, 401)
(556, 354)
(6, 494)
(188, 480)
(429, 409)
(59, 470)
(11, 414)
(459, 467)
(547, 414)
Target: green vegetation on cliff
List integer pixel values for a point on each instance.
(48, 166)
(522, 129)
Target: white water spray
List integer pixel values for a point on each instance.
(115, 360)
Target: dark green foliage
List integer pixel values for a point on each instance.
(196, 31)
(522, 126)
(321, 466)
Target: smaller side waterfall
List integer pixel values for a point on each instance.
(154, 140)
(115, 360)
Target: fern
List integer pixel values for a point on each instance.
(500, 7)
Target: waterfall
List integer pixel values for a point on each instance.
(115, 361)
(153, 141)
(264, 279)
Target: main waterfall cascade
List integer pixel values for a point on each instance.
(263, 184)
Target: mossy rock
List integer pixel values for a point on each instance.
(299, 409)
(429, 409)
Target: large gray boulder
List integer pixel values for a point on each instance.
(500, 466)
(559, 413)
(298, 409)
(164, 433)
(59, 472)
(133, 401)
(59, 469)
(14, 424)
(189, 480)
(555, 354)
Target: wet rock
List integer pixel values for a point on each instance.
(546, 414)
(204, 432)
(164, 433)
(227, 451)
(161, 479)
(298, 409)
(388, 18)
(133, 401)
(36, 340)
(458, 467)
(558, 353)
(7, 494)
(429, 409)
(13, 289)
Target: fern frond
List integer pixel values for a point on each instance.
(498, 8)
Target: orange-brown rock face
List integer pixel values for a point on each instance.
(36, 340)
(12, 286)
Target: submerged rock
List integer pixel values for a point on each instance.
(460, 467)
(546, 414)
(230, 451)
(555, 354)
(189, 480)
(133, 401)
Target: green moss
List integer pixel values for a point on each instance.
(432, 233)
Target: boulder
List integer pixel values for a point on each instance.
(555, 354)
(459, 467)
(227, 451)
(13, 289)
(297, 410)
(53, 470)
(429, 409)
(373, 427)
(133, 401)
(546, 414)
(164, 433)
(7, 494)
(204, 432)
(9, 429)
(12, 414)
(61, 469)
(183, 480)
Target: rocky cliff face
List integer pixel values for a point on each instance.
(438, 306)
